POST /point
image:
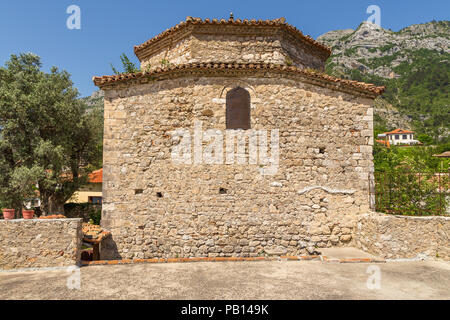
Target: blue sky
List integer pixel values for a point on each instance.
(109, 28)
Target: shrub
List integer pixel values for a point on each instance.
(411, 193)
(96, 216)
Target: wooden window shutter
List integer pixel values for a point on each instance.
(238, 109)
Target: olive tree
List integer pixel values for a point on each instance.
(48, 140)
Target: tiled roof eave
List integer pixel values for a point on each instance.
(237, 69)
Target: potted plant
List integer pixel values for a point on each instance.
(11, 203)
(8, 214)
(27, 214)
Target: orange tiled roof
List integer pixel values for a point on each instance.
(372, 89)
(96, 176)
(398, 131)
(54, 216)
(94, 233)
(238, 22)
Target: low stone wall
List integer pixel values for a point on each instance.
(396, 237)
(39, 243)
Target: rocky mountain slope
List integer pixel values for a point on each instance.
(414, 65)
(95, 100)
(374, 50)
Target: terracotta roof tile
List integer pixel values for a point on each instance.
(398, 131)
(238, 22)
(96, 176)
(94, 233)
(212, 66)
(54, 216)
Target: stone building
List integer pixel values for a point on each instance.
(262, 80)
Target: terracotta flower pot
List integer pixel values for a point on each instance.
(28, 214)
(8, 214)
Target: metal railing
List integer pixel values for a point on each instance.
(412, 193)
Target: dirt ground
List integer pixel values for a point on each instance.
(236, 280)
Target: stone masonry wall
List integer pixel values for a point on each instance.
(240, 49)
(397, 237)
(157, 208)
(39, 243)
(179, 53)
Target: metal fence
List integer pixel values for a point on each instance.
(412, 193)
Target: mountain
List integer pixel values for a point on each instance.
(95, 100)
(413, 64)
(374, 50)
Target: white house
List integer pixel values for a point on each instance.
(399, 136)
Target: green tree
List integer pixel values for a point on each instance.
(48, 141)
(425, 139)
(127, 65)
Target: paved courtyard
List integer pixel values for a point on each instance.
(235, 280)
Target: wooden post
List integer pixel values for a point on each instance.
(95, 252)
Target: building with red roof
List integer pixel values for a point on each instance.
(397, 137)
(92, 191)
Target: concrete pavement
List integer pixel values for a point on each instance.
(237, 280)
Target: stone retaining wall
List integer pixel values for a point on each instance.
(39, 243)
(397, 237)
